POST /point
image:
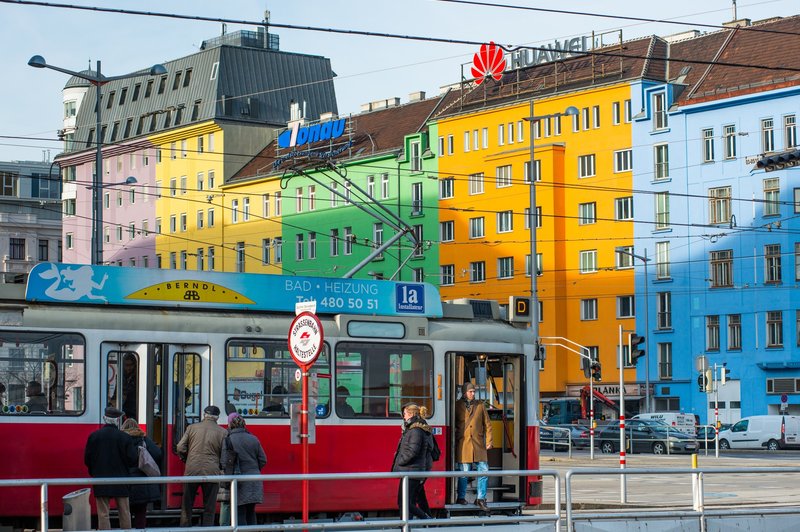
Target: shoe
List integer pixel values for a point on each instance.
(481, 503)
(461, 501)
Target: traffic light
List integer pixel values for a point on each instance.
(725, 375)
(585, 367)
(701, 382)
(637, 348)
(709, 381)
(595, 367)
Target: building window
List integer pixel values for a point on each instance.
(183, 222)
(334, 194)
(588, 261)
(450, 143)
(349, 238)
(384, 186)
(501, 135)
(441, 146)
(416, 199)
(312, 197)
(628, 112)
(623, 160)
(278, 243)
(476, 227)
(587, 213)
(476, 144)
(623, 208)
(505, 221)
(211, 262)
(722, 268)
(312, 245)
(662, 260)
(585, 118)
(537, 170)
(246, 209)
(235, 211)
(729, 137)
(719, 200)
(624, 257)
(712, 333)
(660, 120)
(278, 210)
(173, 224)
(734, 331)
(505, 268)
(661, 159)
(377, 236)
(200, 219)
(446, 231)
(485, 138)
(447, 274)
(467, 141)
(616, 114)
(586, 166)
(626, 306)
(476, 183)
(576, 123)
(588, 309)
(503, 178)
(797, 261)
(416, 155)
(772, 263)
(70, 241)
(767, 135)
(334, 242)
(299, 247)
(708, 145)
(240, 257)
(664, 361)
(446, 188)
(371, 186)
(211, 217)
(790, 131)
(477, 272)
(662, 210)
(774, 328)
(664, 310)
(596, 116)
(772, 192)
(17, 248)
(298, 196)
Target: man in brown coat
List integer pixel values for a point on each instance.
(473, 433)
(200, 448)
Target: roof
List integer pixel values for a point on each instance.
(75, 81)
(372, 133)
(243, 84)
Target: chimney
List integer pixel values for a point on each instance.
(737, 23)
(416, 96)
(327, 116)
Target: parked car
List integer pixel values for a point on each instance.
(685, 423)
(708, 434)
(645, 436)
(758, 432)
(553, 438)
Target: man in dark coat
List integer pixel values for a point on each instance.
(473, 432)
(111, 453)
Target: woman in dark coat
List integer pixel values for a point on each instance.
(142, 494)
(413, 454)
(251, 459)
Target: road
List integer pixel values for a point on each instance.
(603, 491)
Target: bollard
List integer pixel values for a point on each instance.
(697, 487)
(77, 513)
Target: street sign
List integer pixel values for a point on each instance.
(784, 398)
(305, 339)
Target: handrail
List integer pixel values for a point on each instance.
(404, 522)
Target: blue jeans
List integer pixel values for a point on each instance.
(482, 481)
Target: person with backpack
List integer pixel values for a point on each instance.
(141, 494)
(413, 454)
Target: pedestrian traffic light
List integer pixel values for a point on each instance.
(701, 382)
(725, 375)
(595, 367)
(637, 348)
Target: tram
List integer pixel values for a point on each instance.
(161, 345)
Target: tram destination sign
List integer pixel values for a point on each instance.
(113, 285)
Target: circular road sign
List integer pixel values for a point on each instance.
(784, 398)
(305, 339)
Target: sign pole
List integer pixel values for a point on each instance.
(305, 345)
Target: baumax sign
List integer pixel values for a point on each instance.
(555, 51)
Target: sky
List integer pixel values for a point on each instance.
(367, 68)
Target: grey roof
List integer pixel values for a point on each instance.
(75, 81)
(232, 83)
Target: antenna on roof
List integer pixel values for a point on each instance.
(224, 28)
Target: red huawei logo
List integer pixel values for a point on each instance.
(489, 61)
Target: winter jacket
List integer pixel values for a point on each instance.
(413, 450)
(144, 493)
(251, 460)
(200, 447)
(110, 453)
(473, 431)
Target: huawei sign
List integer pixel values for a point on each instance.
(488, 62)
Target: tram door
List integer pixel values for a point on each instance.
(498, 383)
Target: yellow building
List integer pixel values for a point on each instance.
(584, 198)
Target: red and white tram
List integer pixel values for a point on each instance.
(163, 344)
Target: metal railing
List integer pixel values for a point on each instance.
(403, 523)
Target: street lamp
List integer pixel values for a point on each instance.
(98, 80)
(532, 218)
(644, 260)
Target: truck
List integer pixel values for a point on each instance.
(576, 410)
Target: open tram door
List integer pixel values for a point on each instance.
(165, 388)
(498, 381)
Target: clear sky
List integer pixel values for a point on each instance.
(367, 68)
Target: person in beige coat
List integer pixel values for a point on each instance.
(473, 433)
(201, 447)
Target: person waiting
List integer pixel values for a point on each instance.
(275, 406)
(37, 401)
(343, 409)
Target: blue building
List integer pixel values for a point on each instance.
(721, 235)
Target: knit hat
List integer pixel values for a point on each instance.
(467, 386)
(232, 416)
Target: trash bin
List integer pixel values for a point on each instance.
(77, 512)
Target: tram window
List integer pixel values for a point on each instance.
(381, 378)
(260, 379)
(125, 379)
(186, 386)
(42, 374)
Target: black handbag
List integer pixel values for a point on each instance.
(231, 456)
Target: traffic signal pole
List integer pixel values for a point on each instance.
(716, 414)
(623, 488)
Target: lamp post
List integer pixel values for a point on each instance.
(532, 218)
(644, 260)
(98, 80)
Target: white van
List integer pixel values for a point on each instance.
(684, 423)
(758, 432)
